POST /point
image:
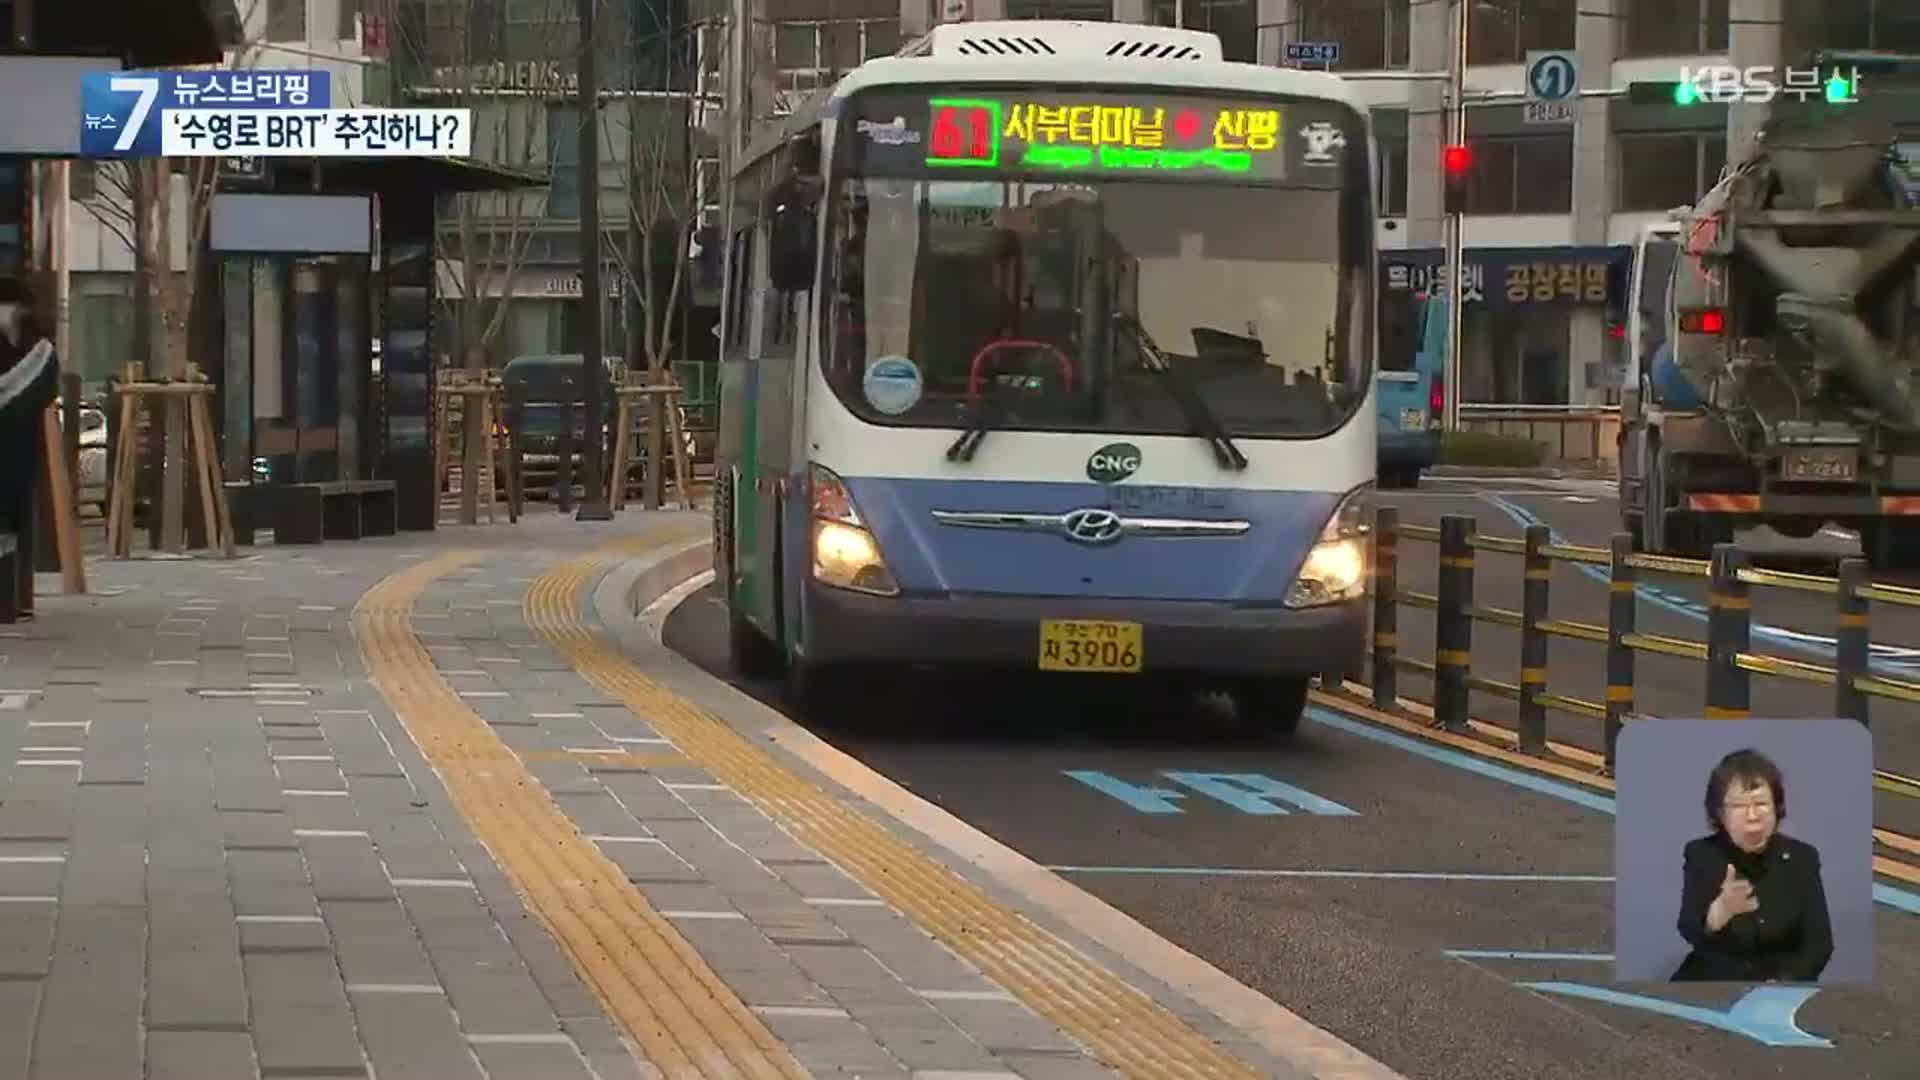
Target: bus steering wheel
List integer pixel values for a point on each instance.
(988, 351)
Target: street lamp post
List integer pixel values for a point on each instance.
(593, 507)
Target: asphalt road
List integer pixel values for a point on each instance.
(1790, 624)
(1350, 907)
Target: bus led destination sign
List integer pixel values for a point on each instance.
(1078, 136)
(1295, 141)
(1105, 137)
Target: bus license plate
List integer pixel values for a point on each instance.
(1090, 645)
(1413, 419)
(1836, 463)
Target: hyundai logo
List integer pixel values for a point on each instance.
(1092, 526)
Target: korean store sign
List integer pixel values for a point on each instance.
(1518, 277)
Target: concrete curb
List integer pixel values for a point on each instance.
(651, 585)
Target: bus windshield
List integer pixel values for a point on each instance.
(1107, 299)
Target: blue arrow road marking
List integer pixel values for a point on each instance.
(1680, 605)
(1250, 792)
(1766, 1014)
(1146, 800)
(1889, 895)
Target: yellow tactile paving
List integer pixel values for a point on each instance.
(651, 981)
(610, 759)
(1121, 1025)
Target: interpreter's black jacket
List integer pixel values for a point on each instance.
(1789, 937)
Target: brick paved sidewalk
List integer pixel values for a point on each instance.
(222, 855)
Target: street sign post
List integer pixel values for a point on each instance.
(1553, 86)
(1303, 53)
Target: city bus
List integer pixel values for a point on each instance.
(1048, 347)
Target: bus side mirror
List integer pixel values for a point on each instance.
(793, 243)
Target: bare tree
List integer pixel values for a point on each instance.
(136, 201)
(486, 236)
(663, 193)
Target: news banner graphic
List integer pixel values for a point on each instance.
(139, 114)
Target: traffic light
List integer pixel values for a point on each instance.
(1456, 163)
(1666, 92)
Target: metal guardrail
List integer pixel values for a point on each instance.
(1727, 652)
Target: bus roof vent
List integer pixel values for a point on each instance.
(1041, 38)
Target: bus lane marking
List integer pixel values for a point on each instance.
(1249, 793)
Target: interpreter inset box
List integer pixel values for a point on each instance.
(1743, 852)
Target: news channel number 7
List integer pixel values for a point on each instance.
(120, 111)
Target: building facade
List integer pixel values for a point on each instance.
(315, 35)
(1553, 206)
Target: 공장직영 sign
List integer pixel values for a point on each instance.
(1584, 276)
(975, 131)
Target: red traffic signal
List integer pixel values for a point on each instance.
(1456, 160)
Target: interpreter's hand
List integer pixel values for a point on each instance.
(1736, 898)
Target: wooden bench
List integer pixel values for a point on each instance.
(9, 578)
(334, 510)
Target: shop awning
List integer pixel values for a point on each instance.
(379, 176)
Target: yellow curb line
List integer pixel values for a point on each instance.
(1120, 1024)
(1881, 864)
(652, 983)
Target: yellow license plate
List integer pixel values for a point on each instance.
(1089, 645)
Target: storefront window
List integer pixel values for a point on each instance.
(102, 325)
(1503, 30)
(1523, 309)
(1371, 35)
(1531, 174)
(1889, 25)
(1515, 356)
(1659, 172)
(1232, 21)
(1674, 27)
(563, 157)
(1393, 175)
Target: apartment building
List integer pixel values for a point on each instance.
(1553, 206)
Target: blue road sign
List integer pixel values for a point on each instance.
(1313, 52)
(1249, 793)
(1552, 76)
(120, 110)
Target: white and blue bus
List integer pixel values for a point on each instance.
(1049, 346)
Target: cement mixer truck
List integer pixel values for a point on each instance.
(1775, 371)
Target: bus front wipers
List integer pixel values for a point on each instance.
(1200, 417)
(988, 412)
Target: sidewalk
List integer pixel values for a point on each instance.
(248, 828)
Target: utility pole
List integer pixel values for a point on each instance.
(593, 506)
(1456, 222)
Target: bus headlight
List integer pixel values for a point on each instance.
(1336, 568)
(845, 554)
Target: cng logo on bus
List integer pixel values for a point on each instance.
(1113, 463)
